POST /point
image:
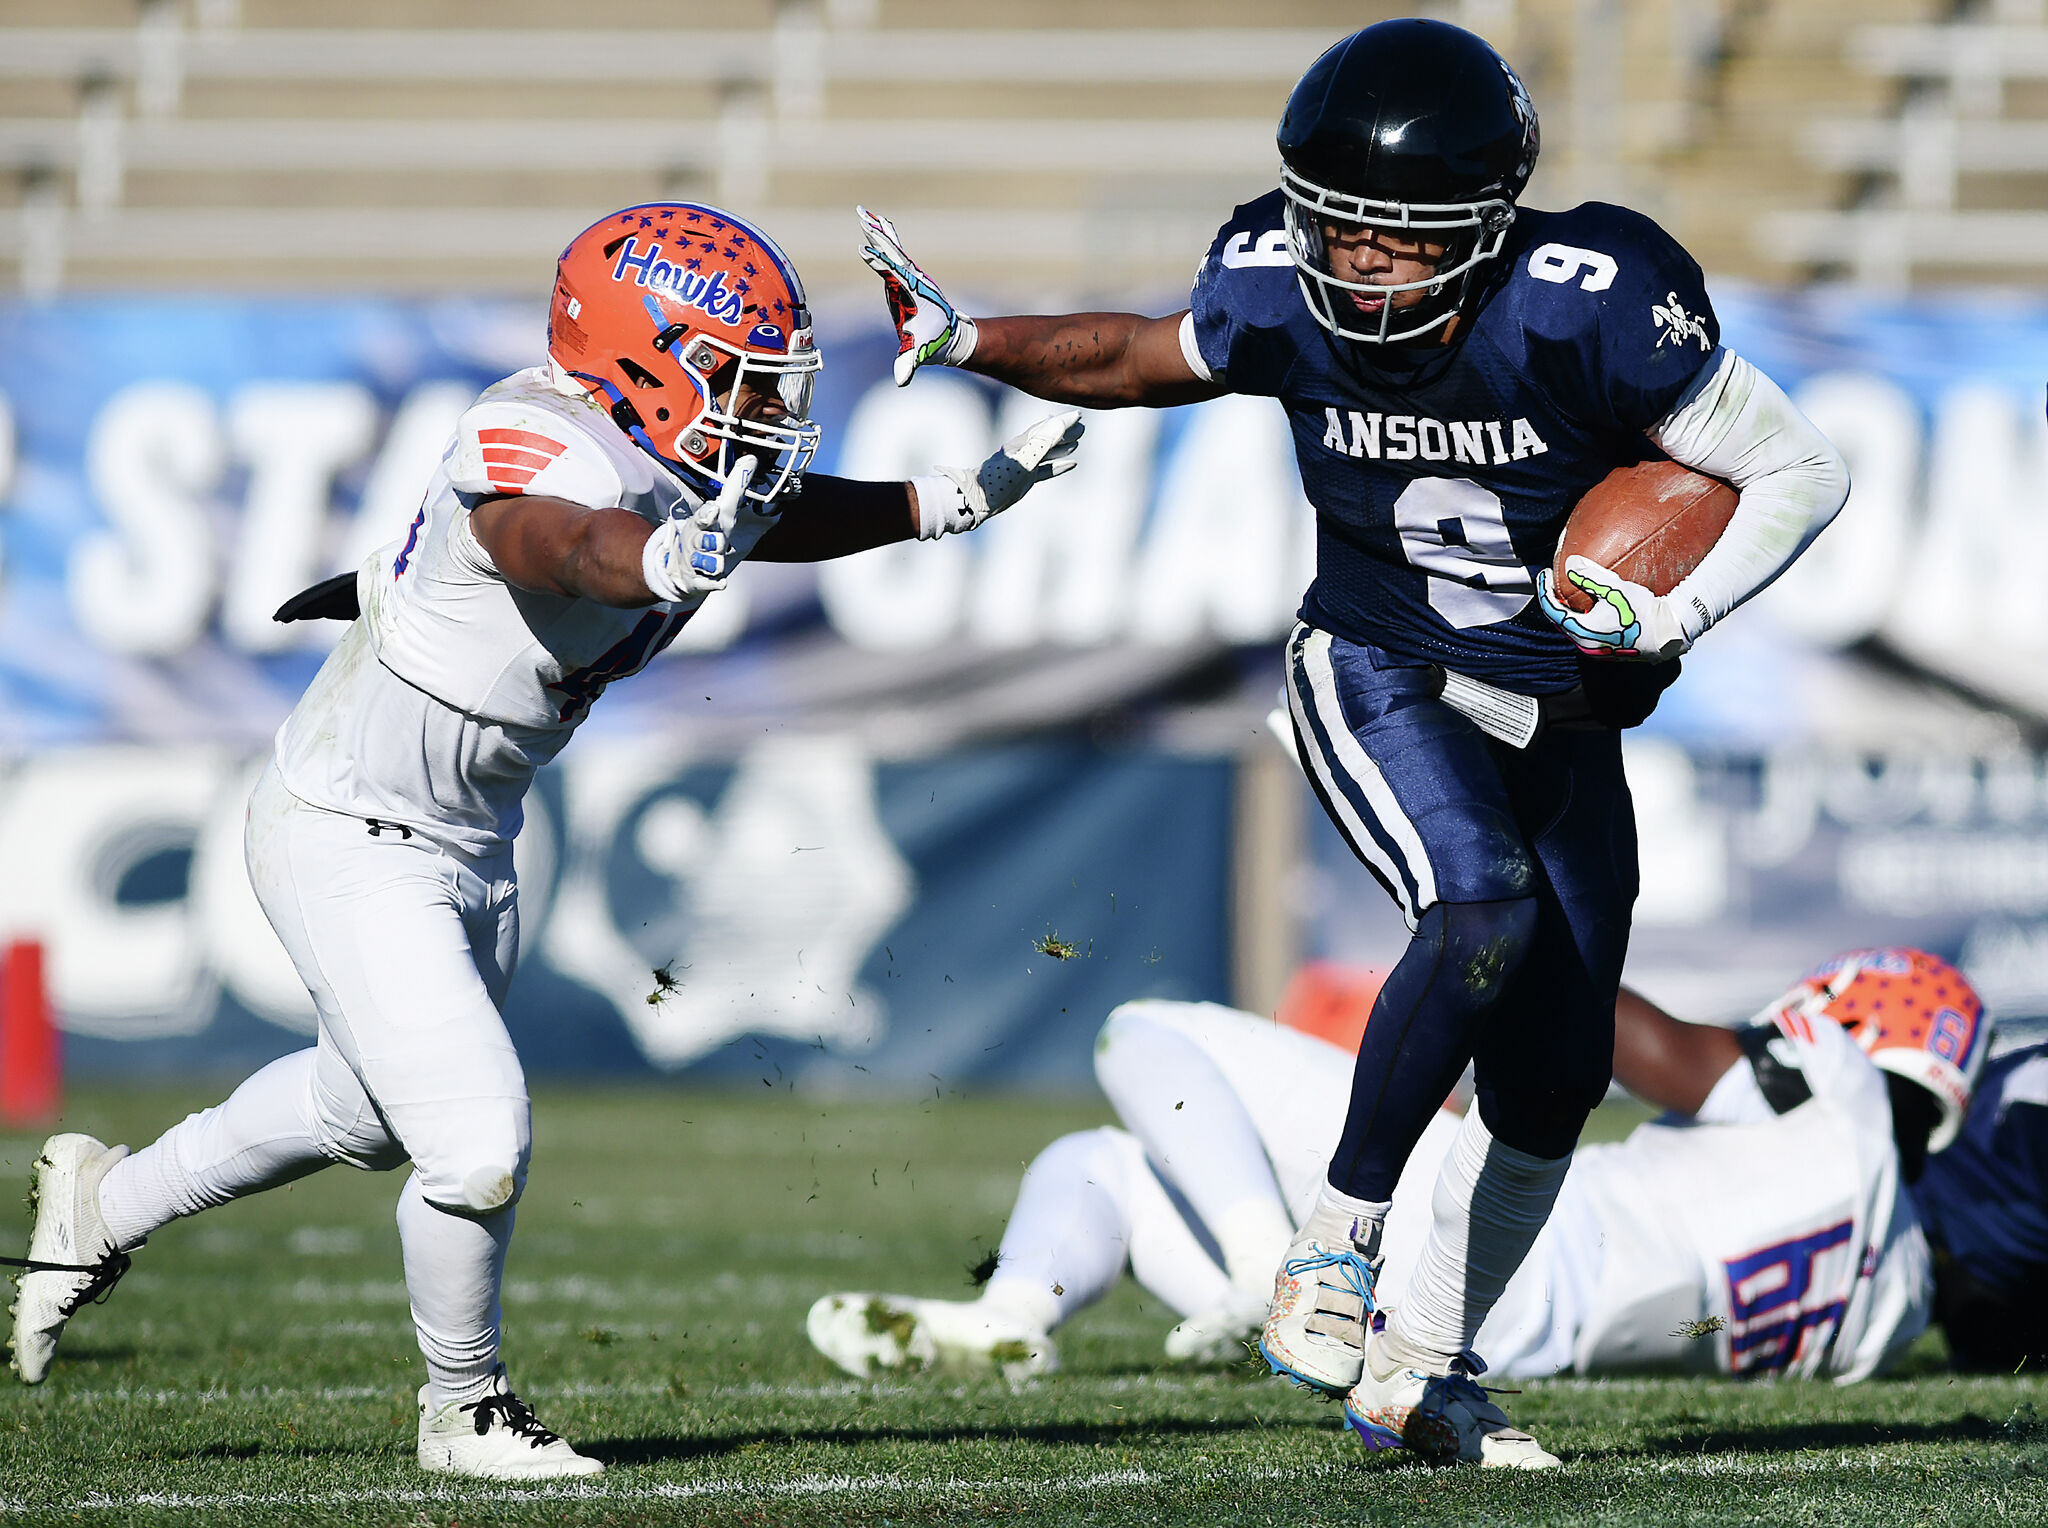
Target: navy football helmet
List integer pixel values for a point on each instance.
(1411, 125)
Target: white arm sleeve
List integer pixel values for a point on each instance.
(1191, 351)
(1739, 426)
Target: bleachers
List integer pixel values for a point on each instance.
(1954, 179)
(1043, 147)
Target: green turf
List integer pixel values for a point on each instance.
(257, 1366)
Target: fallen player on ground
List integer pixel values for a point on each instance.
(1760, 1227)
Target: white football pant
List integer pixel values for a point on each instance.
(407, 947)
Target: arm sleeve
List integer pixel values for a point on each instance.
(1736, 424)
(1191, 348)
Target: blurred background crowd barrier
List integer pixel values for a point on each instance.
(920, 818)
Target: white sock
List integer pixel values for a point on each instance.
(1339, 1217)
(1069, 1233)
(262, 1136)
(454, 1265)
(1490, 1202)
(1195, 1129)
(1253, 1237)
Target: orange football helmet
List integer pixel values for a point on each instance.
(1912, 1013)
(690, 326)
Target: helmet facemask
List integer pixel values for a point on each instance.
(728, 380)
(1473, 233)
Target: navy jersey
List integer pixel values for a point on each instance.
(1984, 1200)
(1442, 475)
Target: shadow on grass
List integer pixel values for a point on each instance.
(103, 1353)
(1799, 1437)
(654, 1450)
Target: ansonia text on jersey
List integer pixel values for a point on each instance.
(1408, 437)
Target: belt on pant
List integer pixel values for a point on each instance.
(1517, 720)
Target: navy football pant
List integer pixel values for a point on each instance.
(1516, 870)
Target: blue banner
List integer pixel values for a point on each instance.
(802, 912)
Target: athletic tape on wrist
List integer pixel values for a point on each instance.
(653, 566)
(940, 502)
(966, 335)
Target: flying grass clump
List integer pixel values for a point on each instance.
(1059, 949)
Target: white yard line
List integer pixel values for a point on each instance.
(810, 1486)
(1076, 1385)
(795, 1486)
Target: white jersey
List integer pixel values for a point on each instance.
(1789, 1228)
(1745, 1242)
(454, 686)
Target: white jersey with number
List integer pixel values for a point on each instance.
(454, 686)
(1744, 1242)
(1788, 1228)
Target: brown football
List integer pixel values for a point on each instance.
(1651, 523)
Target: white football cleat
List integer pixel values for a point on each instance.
(1446, 1418)
(65, 1192)
(1315, 1331)
(870, 1335)
(496, 1438)
(1219, 1334)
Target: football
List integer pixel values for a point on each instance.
(1651, 523)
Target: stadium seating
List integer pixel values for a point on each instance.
(1046, 146)
(1952, 178)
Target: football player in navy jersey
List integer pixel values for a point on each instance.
(1457, 371)
(1983, 1201)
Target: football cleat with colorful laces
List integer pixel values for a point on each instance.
(1447, 1418)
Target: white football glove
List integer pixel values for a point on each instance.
(928, 328)
(691, 556)
(1626, 621)
(958, 499)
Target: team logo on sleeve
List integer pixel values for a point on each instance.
(512, 457)
(1675, 326)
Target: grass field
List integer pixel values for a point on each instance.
(258, 1367)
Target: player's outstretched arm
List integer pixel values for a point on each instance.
(552, 546)
(836, 516)
(1666, 1061)
(556, 546)
(1095, 360)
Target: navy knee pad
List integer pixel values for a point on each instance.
(1422, 1032)
(1481, 945)
(1544, 1122)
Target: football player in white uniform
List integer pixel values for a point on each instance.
(584, 510)
(1759, 1228)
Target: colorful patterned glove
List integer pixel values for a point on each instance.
(928, 328)
(1626, 621)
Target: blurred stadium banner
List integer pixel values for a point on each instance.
(798, 912)
(818, 806)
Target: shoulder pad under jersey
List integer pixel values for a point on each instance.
(524, 437)
(1614, 312)
(1245, 289)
